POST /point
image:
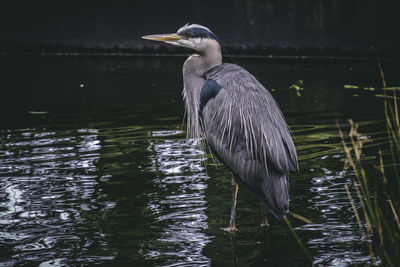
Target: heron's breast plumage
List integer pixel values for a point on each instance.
(209, 90)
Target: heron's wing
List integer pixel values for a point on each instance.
(244, 113)
(247, 131)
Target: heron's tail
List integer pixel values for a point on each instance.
(276, 194)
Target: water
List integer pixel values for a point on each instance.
(94, 167)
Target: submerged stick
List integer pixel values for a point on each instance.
(394, 213)
(301, 218)
(298, 240)
(369, 245)
(355, 210)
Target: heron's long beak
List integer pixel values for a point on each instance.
(168, 37)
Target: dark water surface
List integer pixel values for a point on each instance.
(94, 167)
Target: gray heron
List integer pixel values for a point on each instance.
(239, 119)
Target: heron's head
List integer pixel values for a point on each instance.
(193, 36)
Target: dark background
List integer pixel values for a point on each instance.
(282, 26)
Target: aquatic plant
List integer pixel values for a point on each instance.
(377, 201)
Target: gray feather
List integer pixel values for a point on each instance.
(246, 130)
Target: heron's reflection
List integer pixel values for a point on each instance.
(266, 249)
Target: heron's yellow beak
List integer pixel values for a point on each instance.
(168, 37)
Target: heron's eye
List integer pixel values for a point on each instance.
(187, 37)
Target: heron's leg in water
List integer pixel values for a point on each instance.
(235, 188)
(264, 217)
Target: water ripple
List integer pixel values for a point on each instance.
(182, 205)
(336, 233)
(53, 204)
(48, 180)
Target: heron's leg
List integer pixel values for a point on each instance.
(264, 217)
(235, 188)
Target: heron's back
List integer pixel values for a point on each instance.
(246, 130)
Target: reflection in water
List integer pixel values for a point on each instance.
(51, 200)
(179, 203)
(132, 192)
(48, 182)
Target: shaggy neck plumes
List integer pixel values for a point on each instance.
(193, 77)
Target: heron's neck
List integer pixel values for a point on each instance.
(193, 77)
(211, 55)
